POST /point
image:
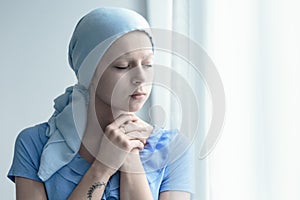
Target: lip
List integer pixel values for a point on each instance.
(138, 95)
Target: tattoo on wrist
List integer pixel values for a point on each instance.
(93, 187)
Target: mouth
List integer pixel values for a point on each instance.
(138, 95)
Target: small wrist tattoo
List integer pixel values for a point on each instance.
(93, 187)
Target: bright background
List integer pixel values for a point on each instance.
(255, 46)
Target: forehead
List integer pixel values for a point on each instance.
(136, 42)
(140, 54)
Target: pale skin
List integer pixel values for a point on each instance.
(124, 135)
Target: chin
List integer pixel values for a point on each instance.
(135, 107)
(130, 108)
(134, 110)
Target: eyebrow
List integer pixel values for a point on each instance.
(126, 55)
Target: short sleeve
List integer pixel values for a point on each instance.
(28, 148)
(179, 174)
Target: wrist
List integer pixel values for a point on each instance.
(133, 163)
(101, 171)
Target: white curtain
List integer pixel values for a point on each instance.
(255, 46)
(182, 85)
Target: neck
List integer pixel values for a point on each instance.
(105, 113)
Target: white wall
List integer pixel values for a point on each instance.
(33, 65)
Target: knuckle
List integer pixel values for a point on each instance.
(119, 138)
(114, 133)
(126, 144)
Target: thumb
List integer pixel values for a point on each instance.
(136, 144)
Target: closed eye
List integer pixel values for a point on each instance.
(123, 67)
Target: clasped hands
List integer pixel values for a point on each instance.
(118, 144)
(122, 141)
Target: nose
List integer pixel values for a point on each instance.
(139, 75)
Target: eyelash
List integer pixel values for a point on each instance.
(122, 68)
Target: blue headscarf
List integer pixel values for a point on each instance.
(93, 35)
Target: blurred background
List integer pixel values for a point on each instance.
(255, 46)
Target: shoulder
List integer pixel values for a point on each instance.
(33, 137)
(28, 149)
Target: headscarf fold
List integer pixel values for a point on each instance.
(93, 35)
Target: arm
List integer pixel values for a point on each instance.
(114, 148)
(174, 195)
(133, 183)
(27, 189)
(93, 183)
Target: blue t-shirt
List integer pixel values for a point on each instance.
(166, 159)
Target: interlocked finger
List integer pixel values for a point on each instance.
(138, 135)
(132, 126)
(123, 129)
(136, 144)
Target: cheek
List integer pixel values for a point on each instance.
(112, 87)
(121, 88)
(148, 87)
(150, 78)
(105, 87)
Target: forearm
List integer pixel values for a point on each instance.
(91, 185)
(134, 186)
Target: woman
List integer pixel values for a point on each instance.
(94, 147)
